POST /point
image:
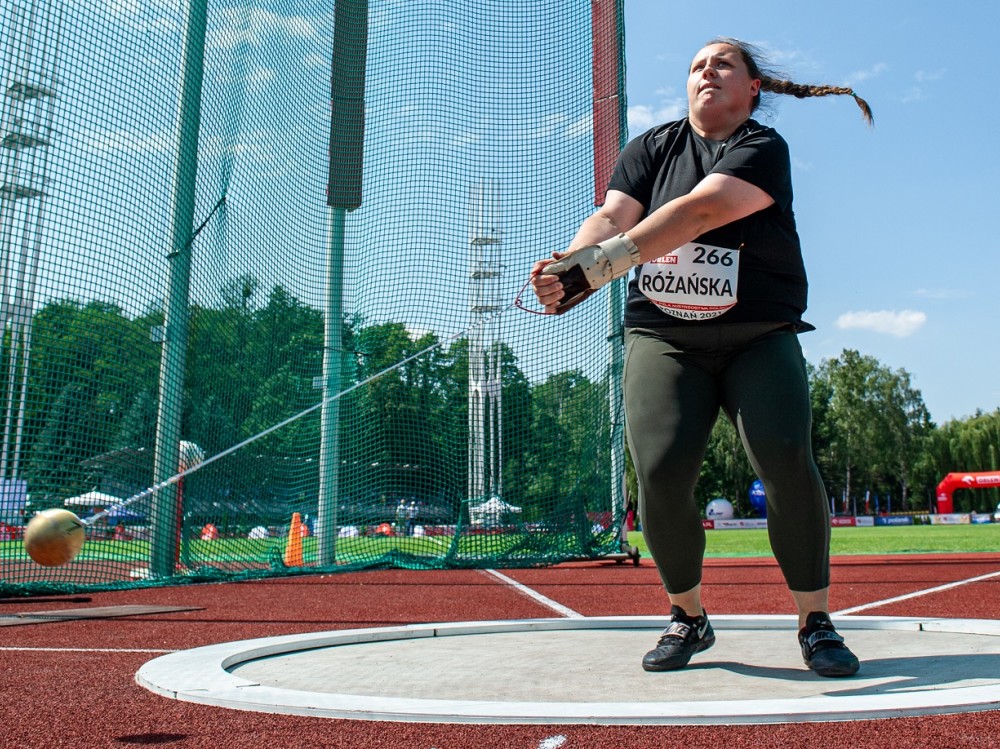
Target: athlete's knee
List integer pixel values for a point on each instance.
(778, 454)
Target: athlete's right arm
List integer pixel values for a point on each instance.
(619, 213)
(717, 200)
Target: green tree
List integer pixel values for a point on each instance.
(876, 425)
(88, 365)
(725, 472)
(54, 467)
(971, 444)
(400, 434)
(823, 428)
(570, 459)
(517, 417)
(906, 428)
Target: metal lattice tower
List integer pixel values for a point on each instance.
(26, 128)
(485, 395)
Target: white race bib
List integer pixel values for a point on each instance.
(694, 282)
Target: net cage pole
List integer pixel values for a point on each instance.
(167, 503)
(347, 124)
(329, 448)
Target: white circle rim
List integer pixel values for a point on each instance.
(202, 675)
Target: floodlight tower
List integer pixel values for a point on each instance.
(26, 129)
(485, 394)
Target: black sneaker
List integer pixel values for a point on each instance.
(824, 650)
(685, 636)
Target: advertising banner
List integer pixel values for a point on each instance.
(742, 523)
(950, 518)
(862, 521)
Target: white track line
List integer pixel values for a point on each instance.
(534, 594)
(917, 594)
(552, 742)
(83, 650)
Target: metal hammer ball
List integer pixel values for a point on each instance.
(53, 537)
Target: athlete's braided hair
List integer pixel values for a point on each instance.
(771, 83)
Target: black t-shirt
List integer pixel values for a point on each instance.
(668, 161)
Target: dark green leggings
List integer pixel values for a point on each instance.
(673, 393)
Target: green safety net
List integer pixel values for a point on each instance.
(259, 266)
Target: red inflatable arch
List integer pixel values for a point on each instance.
(953, 481)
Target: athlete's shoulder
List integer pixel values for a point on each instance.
(753, 131)
(656, 139)
(667, 130)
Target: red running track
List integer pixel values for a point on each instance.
(71, 684)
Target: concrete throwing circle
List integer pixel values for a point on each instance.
(587, 670)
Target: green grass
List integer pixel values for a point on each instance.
(903, 539)
(917, 539)
(235, 550)
(357, 549)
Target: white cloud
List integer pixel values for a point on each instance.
(786, 58)
(785, 61)
(129, 142)
(237, 27)
(298, 26)
(583, 126)
(859, 76)
(261, 77)
(122, 7)
(943, 293)
(916, 91)
(461, 140)
(898, 323)
(642, 117)
(137, 17)
(415, 334)
(547, 125)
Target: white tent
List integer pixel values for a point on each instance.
(491, 511)
(93, 499)
(13, 500)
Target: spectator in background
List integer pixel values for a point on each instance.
(411, 517)
(400, 515)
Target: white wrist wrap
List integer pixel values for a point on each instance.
(601, 263)
(622, 255)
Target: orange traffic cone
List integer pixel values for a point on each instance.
(293, 551)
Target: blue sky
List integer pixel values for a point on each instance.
(897, 223)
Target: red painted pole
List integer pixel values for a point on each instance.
(608, 62)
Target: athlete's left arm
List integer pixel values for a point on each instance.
(717, 200)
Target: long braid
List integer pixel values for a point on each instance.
(803, 91)
(755, 61)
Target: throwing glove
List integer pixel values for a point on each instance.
(584, 271)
